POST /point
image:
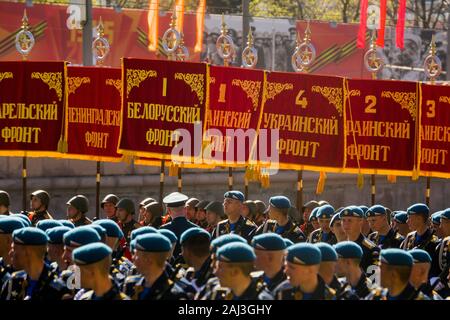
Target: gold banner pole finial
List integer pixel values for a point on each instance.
(172, 38)
(249, 54)
(24, 39)
(100, 45)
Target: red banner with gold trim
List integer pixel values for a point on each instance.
(32, 97)
(233, 116)
(308, 111)
(163, 109)
(93, 113)
(381, 127)
(434, 143)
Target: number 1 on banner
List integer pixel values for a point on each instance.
(431, 104)
(222, 91)
(164, 90)
(301, 101)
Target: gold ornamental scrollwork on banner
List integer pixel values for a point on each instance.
(116, 83)
(251, 88)
(136, 76)
(334, 96)
(52, 79)
(195, 80)
(275, 88)
(6, 75)
(444, 99)
(407, 100)
(73, 83)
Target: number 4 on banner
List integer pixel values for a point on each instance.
(301, 101)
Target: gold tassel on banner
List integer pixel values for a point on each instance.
(173, 170)
(62, 145)
(415, 174)
(360, 183)
(391, 178)
(321, 182)
(265, 180)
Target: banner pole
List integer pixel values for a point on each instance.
(97, 192)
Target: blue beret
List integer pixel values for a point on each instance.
(418, 208)
(30, 236)
(401, 217)
(396, 257)
(376, 210)
(175, 199)
(67, 223)
(91, 253)
(9, 224)
(112, 228)
(335, 218)
(304, 254)
(268, 241)
(288, 242)
(236, 252)
(352, 211)
(327, 251)
(234, 194)
(169, 235)
(23, 217)
(56, 234)
(313, 214)
(348, 250)
(364, 208)
(225, 239)
(100, 230)
(193, 232)
(445, 214)
(81, 236)
(280, 202)
(436, 217)
(152, 242)
(47, 224)
(420, 256)
(142, 230)
(325, 212)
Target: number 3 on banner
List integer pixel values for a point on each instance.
(301, 101)
(371, 102)
(431, 104)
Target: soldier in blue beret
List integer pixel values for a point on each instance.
(94, 261)
(235, 262)
(348, 266)
(142, 230)
(100, 230)
(150, 254)
(421, 235)
(56, 246)
(383, 236)
(396, 265)
(236, 223)
(270, 249)
(67, 223)
(324, 233)
(313, 219)
(327, 268)
(419, 273)
(336, 227)
(399, 223)
(36, 280)
(302, 269)
(47, 224)
(436, 224)
(352, 219)
(77, 207)
(176, 207)
(23, 217)
(280, 222)
(7, 226)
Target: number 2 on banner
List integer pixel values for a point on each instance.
(301, 101)
(431, 104)
(372, 102)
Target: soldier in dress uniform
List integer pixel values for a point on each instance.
(152, 215)
(94, 261)
(249, 210)
(307, 209)
(383, 236)
(280, 222)
(214, 214)
(324, 233)
(396, 265)
(125, 214)
(419, 273)
(302, 269)
(261, 214)
(40, 201)
(236, 223)
(151, 252)
(352, 219)
(56, 246)
(348, 266)
(234, 264)
(77, 207)
(200, 213)
(109, 206)
(336, 227)
(5, 202)
(422, 236)
(270, 250)
(191, 209)
(399, 223)
(142, 205)
(35, 280)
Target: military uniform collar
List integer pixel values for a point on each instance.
(205, 272)
(409, 293)
(279, 277)
(110, 294)
(251, 293)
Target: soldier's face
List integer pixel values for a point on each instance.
(122, 214)
(269, 260)
(376, 222)
(306, 214)
(445, 227)
(225, 272)
(415, 221)
(324, 223)
(232, 206)
(341, 267)
(419, 274)
(385, 276)
(72, 213)
(200, 215)
(19, 256)
(109, 209)
(315, 224)
(190, 213)
(3, 209)
(351, 225)
(211, 217)
(299, 274)
(35, 203)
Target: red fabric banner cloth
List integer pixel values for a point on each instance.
(93, 113)
(163, 108)
(400, 27)
(435, 131)
(381, 127)
(361, 40)
(32, 97)
(309, 113)
(233, 116)
(380, 39)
